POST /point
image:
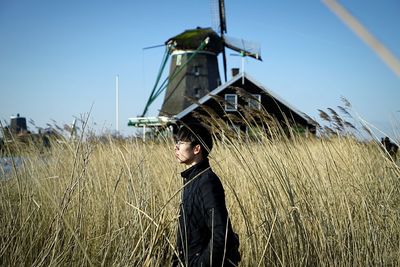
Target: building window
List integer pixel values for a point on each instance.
(230, 102)
(255, 101)
(179, 60)
(196, 70)
(197, 92)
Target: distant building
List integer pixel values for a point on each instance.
(18, 125)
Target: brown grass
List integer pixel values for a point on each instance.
(298, 202)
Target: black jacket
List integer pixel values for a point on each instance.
(205, 236)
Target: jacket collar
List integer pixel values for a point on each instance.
(195, 169)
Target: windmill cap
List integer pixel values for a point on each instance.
(192, 39)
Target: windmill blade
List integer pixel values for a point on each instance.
(224, 62)
(218, 18)
(222, 25)
(246, 48)
(219, 24)
(214, 15)
(222, 17)
(154, 46)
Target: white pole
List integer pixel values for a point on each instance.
(116, 104)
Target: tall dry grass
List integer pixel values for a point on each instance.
(293, 202)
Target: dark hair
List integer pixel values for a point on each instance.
(196, 134)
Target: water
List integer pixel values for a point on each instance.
(6, 166)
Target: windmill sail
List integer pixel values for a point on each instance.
(222, 16)
(218, 17)
(219, 25)
(244, 47)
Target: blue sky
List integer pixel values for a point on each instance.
(60, 58)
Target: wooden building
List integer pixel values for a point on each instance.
(241, 102)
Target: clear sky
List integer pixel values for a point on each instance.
(58, 58)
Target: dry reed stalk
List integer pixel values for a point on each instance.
(293, 201)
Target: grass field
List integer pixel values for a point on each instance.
(298, 202)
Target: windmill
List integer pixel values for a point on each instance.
(194, 67)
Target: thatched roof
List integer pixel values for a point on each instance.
(191, 40)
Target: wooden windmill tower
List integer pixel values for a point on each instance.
(193, 71)
(194, 67)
